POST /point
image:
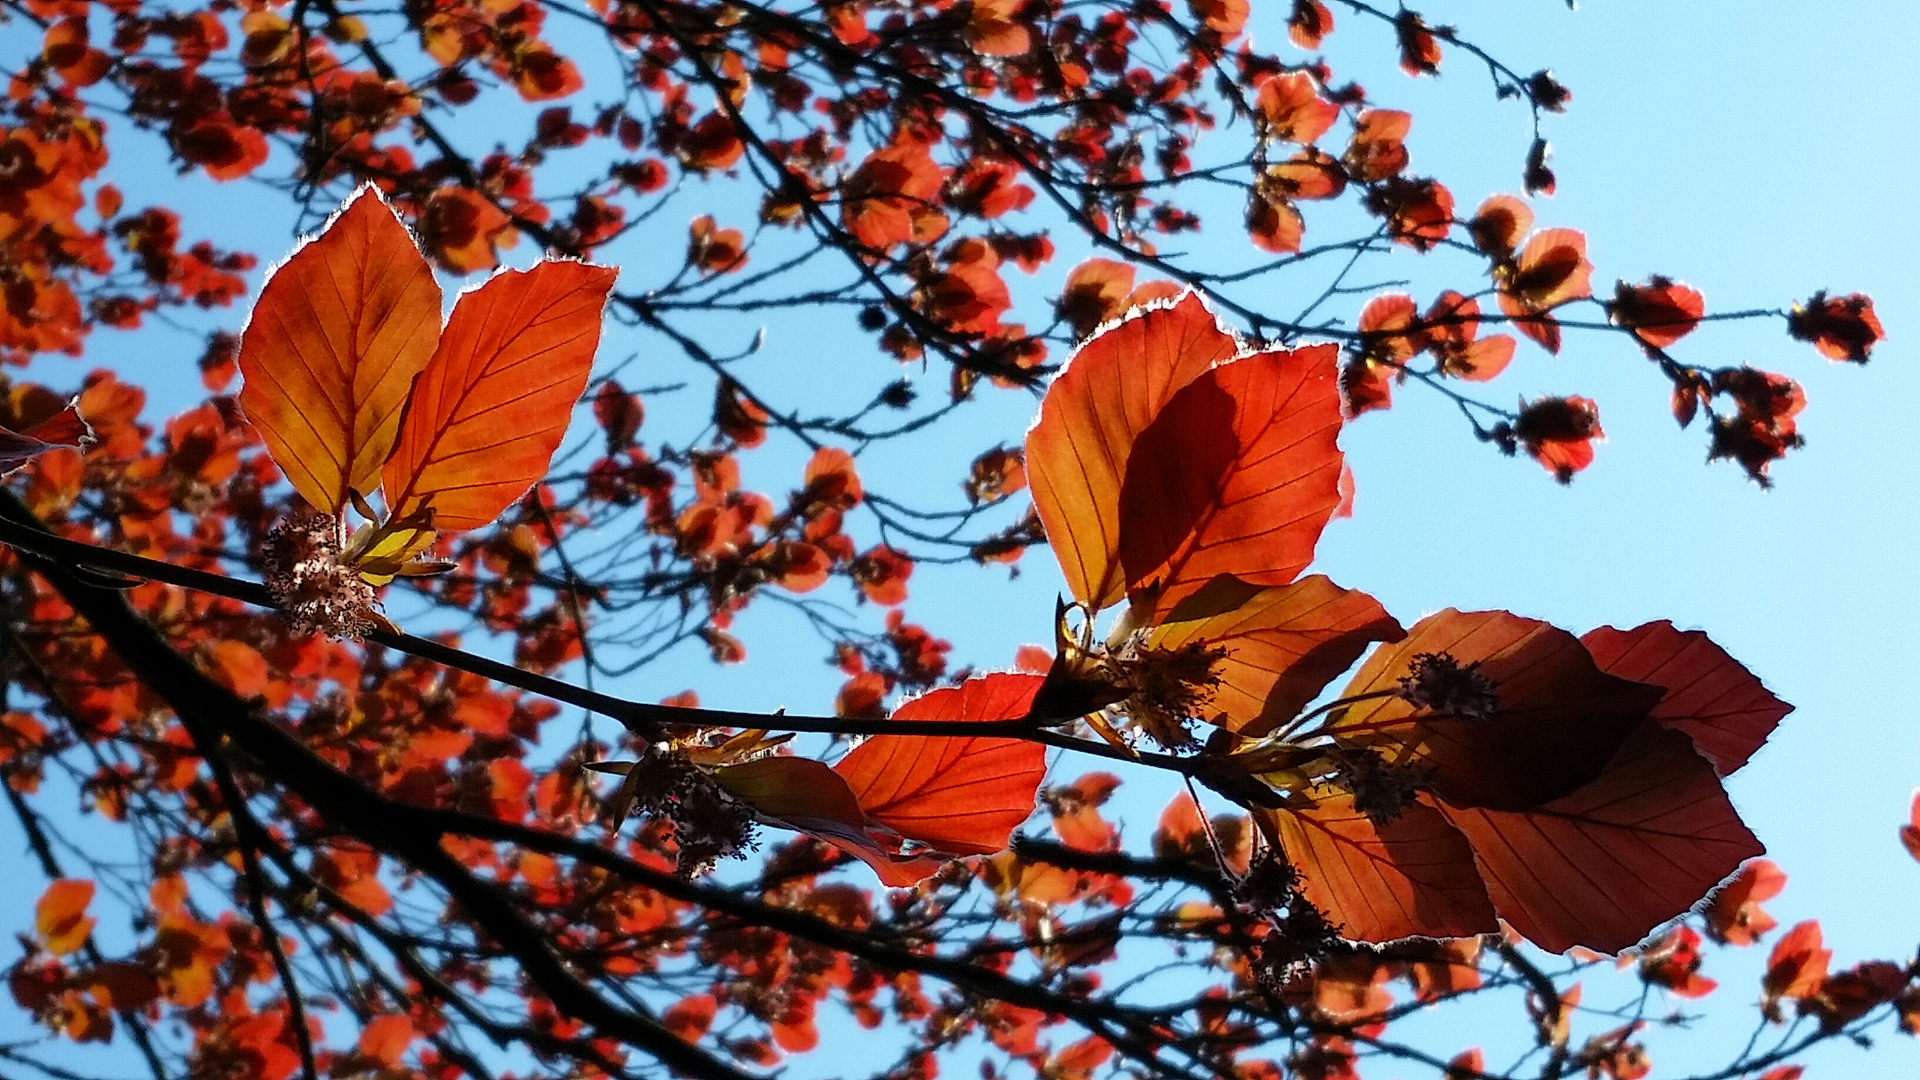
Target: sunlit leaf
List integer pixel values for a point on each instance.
(1557, 719)
(1282, 644)
(1604, 866)
(60, 917)
(487, 413)
(1413, 875)
(1238, 475)
(1710, 697)
(336, 338)
(961, 795)
(1110, 390)
(808, 796)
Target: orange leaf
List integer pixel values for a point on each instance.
(1556, 721)
(385, 1038)
(1111, 388)
(1604, 866)
(1238, 475)
(60, 918)
(487, 413)
(1095, 291)
(1797, 965)
(333, 343)
(1733, 913)
(1292, 109)
(1499, 225)
(961, 795)
(1710, 697)
(1282, 644)
(1412, 876)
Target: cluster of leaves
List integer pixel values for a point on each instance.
(375, 832)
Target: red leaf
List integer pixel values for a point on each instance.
(1559, 432)
(63, 430)
(1282, 644)
(961, 795)
(333, 344)
(1604, 866)
(1238, 475)
(689, 1018)
(1412, 876)
(1108, 393)
(1733, 913)
(1499, 224)
(487, 413)
(1710, 697)
(1556, 721)
(1660, 312)
(1095, 292)
(1841, 327)
(1910, 832)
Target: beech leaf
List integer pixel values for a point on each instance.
(486, 415)
(1558, 720)
(334, 341)
(1710, 696)
(1239, 474)
(1283, 644)
(961, 795)
(1606, 865)
(1111, 388)
(1412, 876)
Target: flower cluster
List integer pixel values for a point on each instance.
(312, 584)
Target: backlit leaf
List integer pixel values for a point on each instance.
(1238, 475)
(806, 795)
(1558, 720)
(1283, 644)
(1710, 697)
(60, 918)
(63, 430)
(1412, 876)
(336, 338)
(1109, 391)
(961, 795)
(1604, 866)
(487, 413)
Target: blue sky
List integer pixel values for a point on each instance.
(1757, 151)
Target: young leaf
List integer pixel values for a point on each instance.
(805, 795)
(60, 918)
(1710, 697)
(487, 413)
(1604, 866)
(1110, 390)
(1238, 475)
(1556, 721)
(333, 343)
(1282, 644)
(63, 430)
(961, 795)
(1411, 876)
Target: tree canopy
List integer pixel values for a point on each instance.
(316, 721)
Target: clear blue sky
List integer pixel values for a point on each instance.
(1758, 151)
